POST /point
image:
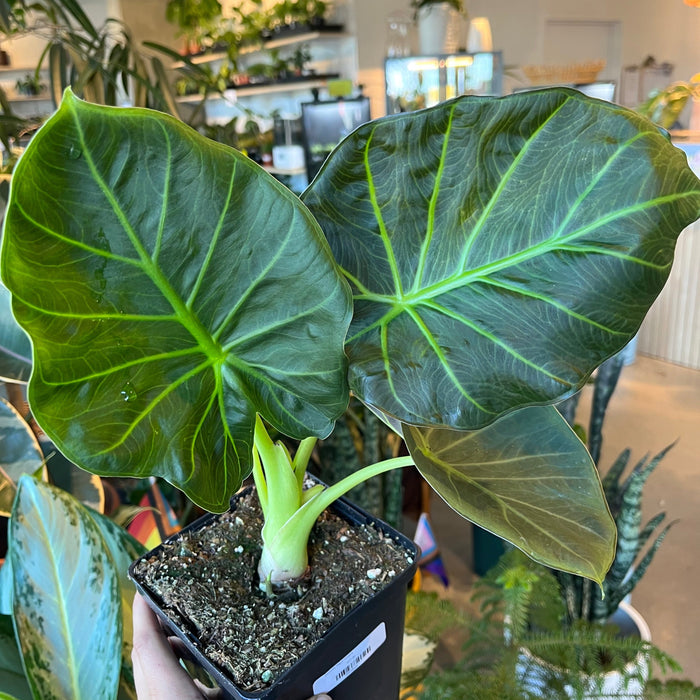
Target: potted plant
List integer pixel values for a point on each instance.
(102, 63)
(439, 24)
(486, 254)
(492, 663)
(583, 607)
(30, 86)
(665, 106)
(624, 489)
(193, 17)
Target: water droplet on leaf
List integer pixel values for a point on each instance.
(74, 152)
(128, 392)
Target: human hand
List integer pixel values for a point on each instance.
(158, 674)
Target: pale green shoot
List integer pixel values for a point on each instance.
(289, 510)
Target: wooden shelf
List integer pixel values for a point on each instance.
(284, 171)
(290, 40)
(29, 98)
(18, 69)
(232, 94)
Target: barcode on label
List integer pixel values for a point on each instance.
(351, 661)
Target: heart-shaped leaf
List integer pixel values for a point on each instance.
(171, 288)
(499, 249)
(527, 478)
(67, 603)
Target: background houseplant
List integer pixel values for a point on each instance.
(665, 106)
(623, 489)
(140, 367)
(491, 634)
(64, 550)
(101, 63)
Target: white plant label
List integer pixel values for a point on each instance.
(351, 661)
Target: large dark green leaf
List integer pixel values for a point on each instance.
(67, 603)
(171, 289)
(529, 479)
(15, 348)
(20, 453)
(499, 249)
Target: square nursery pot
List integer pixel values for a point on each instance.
(359, 656)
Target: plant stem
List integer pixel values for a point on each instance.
(284, 557)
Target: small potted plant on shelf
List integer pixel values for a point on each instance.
(31, 85)
(459, 269)
(194, 19)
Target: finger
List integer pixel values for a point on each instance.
(209, 693)
(157, 672)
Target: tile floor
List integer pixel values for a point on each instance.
(654, 404)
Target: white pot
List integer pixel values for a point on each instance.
(534, 672)
(440, 27)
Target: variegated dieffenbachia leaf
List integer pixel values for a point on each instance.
(123, 549)
(66, 596)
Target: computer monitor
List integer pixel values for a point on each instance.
(325, 123)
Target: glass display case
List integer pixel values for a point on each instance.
(414, 82)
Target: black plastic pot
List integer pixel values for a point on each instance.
(358, 658)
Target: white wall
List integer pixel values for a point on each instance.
(668, 30)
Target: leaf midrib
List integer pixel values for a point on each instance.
(183, 312)
(462, 277)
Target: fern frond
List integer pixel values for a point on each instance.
(431, 616)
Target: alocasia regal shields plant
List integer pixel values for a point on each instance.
(459, 269)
